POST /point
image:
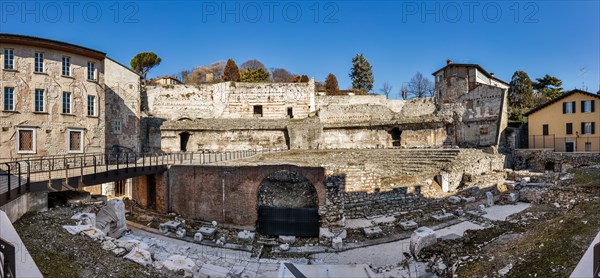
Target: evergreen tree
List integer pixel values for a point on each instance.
(255, 75)
(143, 62)
(331, 85)
(231, 71)
(548, 87)
(520, 95)
(361, 74)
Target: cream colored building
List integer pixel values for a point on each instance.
(58, 98)
(566, 124)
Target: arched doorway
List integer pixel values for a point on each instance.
(184, 137)
(287, 205)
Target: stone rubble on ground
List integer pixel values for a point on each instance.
(337, 243)
(372, 232)
(408, 225)
(287, 239)
(169, 226)
(111, 218)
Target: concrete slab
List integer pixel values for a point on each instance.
(358, 270)
(25, 266)
(458, 229)
(500, 213)
(212, 270)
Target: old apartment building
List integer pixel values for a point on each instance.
(58, 98)
(483, 97)
(566, 124)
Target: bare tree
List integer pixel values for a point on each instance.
(253, 65)
(403, 92)
(282, 76)
(420, 87)
(386, 89)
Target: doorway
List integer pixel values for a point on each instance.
(569, 147)
(184, 137)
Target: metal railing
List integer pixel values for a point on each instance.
(17, 175)
(576, 143)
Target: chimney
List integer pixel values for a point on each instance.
(448, 62)
(492, 74)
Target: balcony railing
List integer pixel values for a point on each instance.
(575, 143)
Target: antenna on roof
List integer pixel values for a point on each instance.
(583, 72)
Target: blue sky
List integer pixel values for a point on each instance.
(399, 38)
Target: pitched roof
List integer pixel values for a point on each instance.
(52, 44)
(563, 96)
(489, 75)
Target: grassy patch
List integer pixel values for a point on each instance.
(586, 177)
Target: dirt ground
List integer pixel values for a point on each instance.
(60, 254)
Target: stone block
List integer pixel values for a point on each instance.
(408, 225)
(454, 199)
(421, 238)
(180, 233)
(326, 233)
(140, 256)
(512, 198)
(246, 236)
(178, 264)
(459, 212)
(442, 216)
(198, 237)
(119, 251)
(287, 239)
(111, 218)
(489, 199)
(337, 243)
(169, 226)
(443, 180)
(372, 232)
(85, 218)
(208, 231)
(108, 245)
(284, 247)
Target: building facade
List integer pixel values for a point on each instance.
(58, 98)
(566, 124)
(483, 116)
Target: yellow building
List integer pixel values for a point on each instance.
(566, 124)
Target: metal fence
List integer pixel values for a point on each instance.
(575, 143)
(18, 174)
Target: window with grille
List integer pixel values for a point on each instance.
(9, 99)
(91, 106)
(66, 66)
(117, 126)
(91, 73)
(9, 59)
(25, 140)
(75, 141)
(39, 62)
(66, 107)
(39, 100)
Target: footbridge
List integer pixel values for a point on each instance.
(19, 176)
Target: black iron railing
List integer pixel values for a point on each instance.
(17, 175)
(576, 143)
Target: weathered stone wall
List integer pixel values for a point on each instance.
(484, 107)
(150, 134)
(423, 138)
(122, 115)
(230, 100)
(51, 126)
(542, 160)
(230, 140)
(380, 100)
(355, 138)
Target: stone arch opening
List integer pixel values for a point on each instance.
(396, 134)
(184, 137)
(287, 204)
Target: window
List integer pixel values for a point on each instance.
(545, 129)
(25, 140)
(66, 66)
(588, 146)
(91, 71)
(66, 106)
(39, 100)
(91, 106)
(75, 140)
(587, 106)
(117, 126)
(9, 99)
(9, 59)
(569, 128)
(568, 107)
(258, 110)
(39, 62)
(588, 128)
(290, 112)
